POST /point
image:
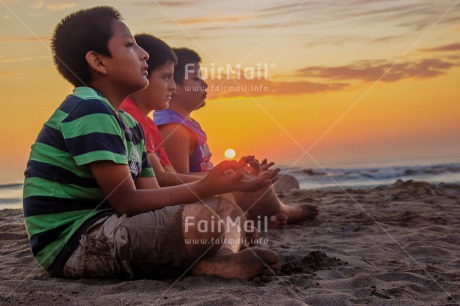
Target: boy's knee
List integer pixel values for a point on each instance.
(203, 230)
(198, 218)
(225, 208)
(231, 210)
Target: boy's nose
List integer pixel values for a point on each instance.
(205, 85)
(172, 86)
(143, 54)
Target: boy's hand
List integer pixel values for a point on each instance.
(265, 165)
(231, 176)
(253, 166)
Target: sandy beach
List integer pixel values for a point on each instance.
(391, 245)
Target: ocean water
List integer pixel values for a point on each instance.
(11, 195)
(338, 178)
(327, 178)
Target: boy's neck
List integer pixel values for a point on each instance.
(138, 99)
(179, 109)
(113, 95)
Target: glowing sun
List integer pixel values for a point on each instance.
(230, 153)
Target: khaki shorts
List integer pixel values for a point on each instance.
(130, 247)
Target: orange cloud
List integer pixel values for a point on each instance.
(386, 71)
(332, 78)
(170, 3)
(22, 59)
(211, 19)
(54, 7)
(263, 87)
(10, 39)
(450, 47)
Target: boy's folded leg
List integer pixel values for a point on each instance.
(130, 247)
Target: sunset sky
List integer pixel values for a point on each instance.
(341, 82)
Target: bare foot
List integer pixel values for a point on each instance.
(265, 202)
(277, 221)
(300, 213)
(249, 264)
(251, 236)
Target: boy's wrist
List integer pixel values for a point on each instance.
(204, 189)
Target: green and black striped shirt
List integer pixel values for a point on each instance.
(61, 196)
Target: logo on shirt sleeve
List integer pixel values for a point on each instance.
(134, 162)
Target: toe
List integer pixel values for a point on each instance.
(269, 272)
(270, 257)
(256, 279)
(266, 278)
(276, 267)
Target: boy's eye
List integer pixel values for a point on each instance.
(130, 44)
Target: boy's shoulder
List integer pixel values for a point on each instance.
(86, 110)
(166, 116)
(83, 112)
(129, 119)
(84, 101)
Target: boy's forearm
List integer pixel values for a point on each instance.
(141, 201)
(167, 176)
(122, 194)
(173, 179)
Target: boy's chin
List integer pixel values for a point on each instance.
(146, 83)
(142, 85)
(162, 106)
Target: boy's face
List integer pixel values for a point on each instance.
(127, 66)
(193, 88)
(161, 86)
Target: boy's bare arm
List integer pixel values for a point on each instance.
(122, 194)
(116, 183)
(169, 178)
(177, 144)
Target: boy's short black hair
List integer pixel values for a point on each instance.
(159, 51)
(77, 34)
(184, 56)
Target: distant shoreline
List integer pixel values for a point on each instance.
(11, 185)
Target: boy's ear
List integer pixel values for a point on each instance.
(95, 62)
